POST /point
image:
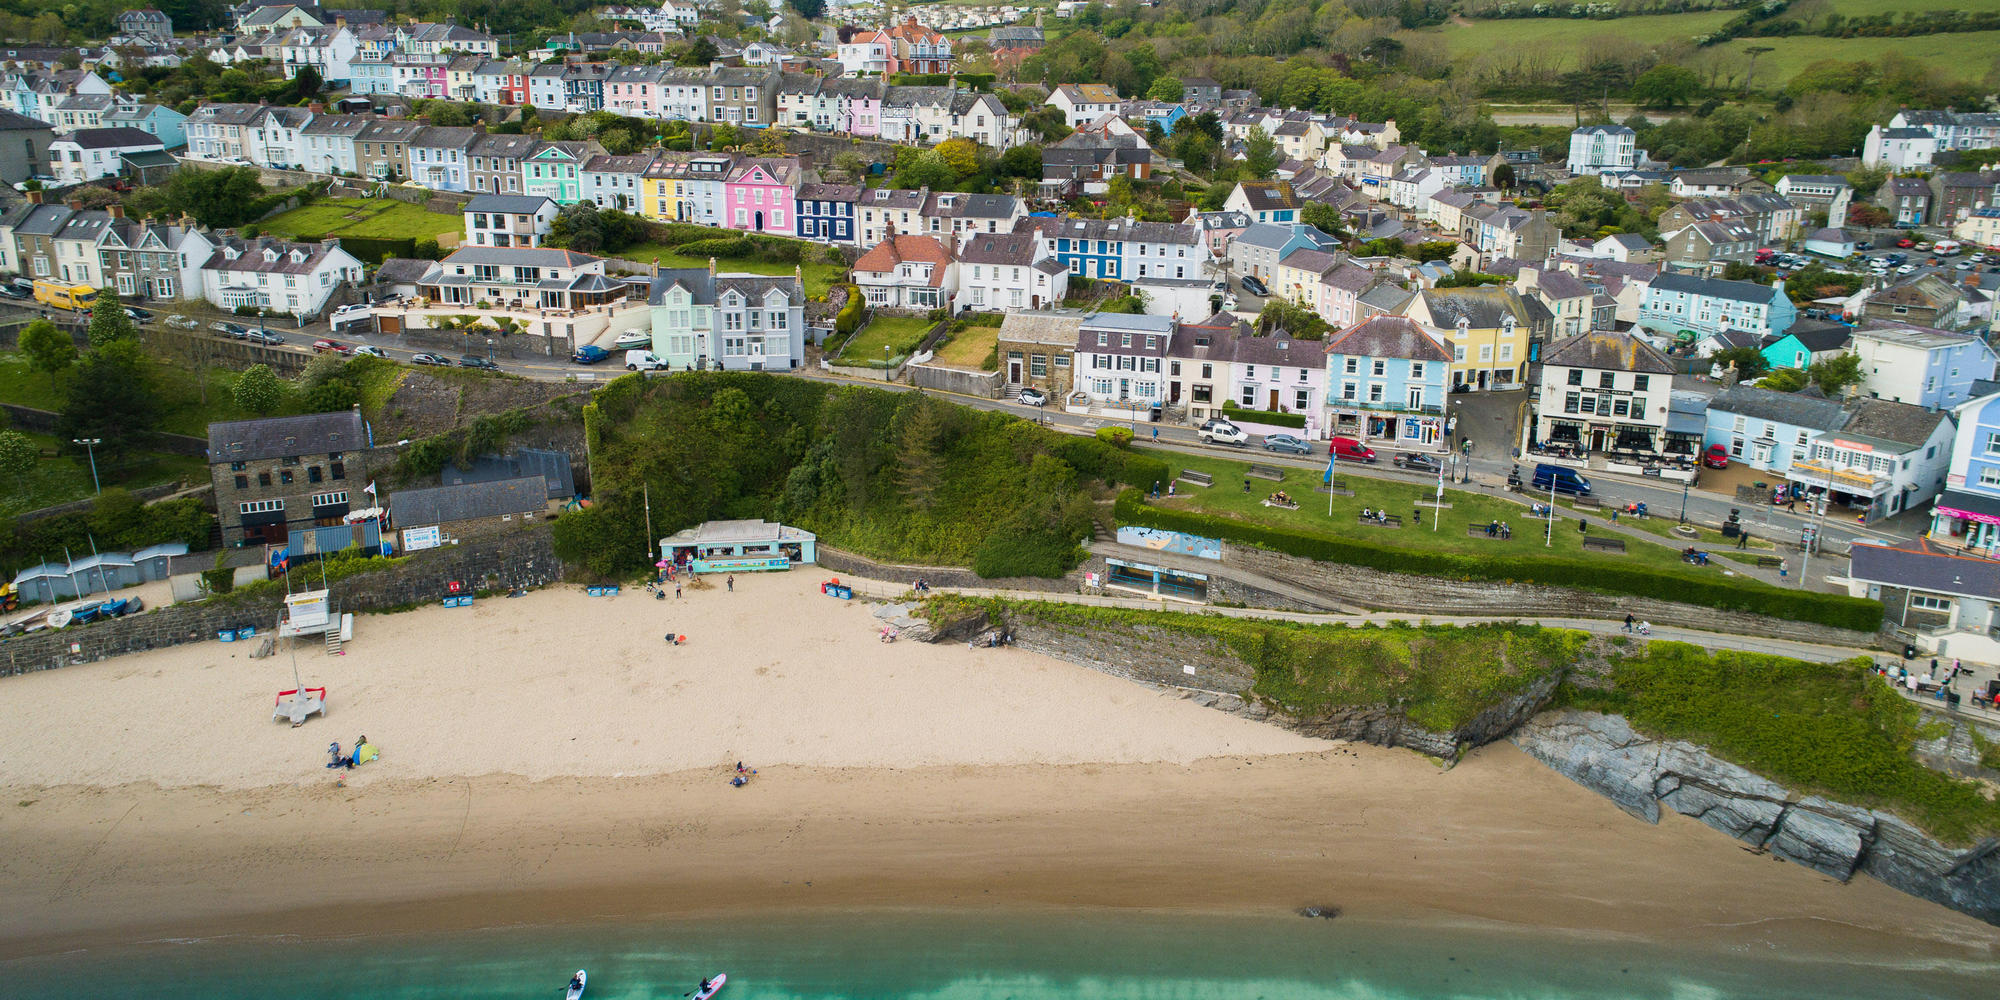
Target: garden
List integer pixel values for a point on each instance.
(368, 218)
(886, 340)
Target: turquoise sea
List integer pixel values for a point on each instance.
(957, 955)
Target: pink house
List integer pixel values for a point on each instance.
(1340, 292)
(864, 114)
(758, 196)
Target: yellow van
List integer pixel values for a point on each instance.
(63, 295)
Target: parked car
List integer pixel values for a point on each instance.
(1287, 442)
(589, 354)
(183, 323)
(637, 338)
(1220, 431)
(264, 337)
(370, 351)
(234, 330)
(428, 359)
(1906, 269)
(1561, 479)
(476, 361)
(1414, 462)
(321, 346)
(1906, 243)
(139, 315)
(1229, 302)
(1349, 450)
(1864, 245)
(643, 361)
(15, 292)
(1034, 397)
(350, 312)
(1716, 457)
(1253, 286)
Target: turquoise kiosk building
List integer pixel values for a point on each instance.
(739, 547)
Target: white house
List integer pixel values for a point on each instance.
(89, 153)
(1605, 390)
(508, 220)
(1009, 271)
(908, 272)
(1083, 103)
(274, 274)
(1898, 148)
(1594, 149)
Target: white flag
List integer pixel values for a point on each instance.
(370, 488)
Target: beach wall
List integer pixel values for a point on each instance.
(523, 558)
(836, 561)
(1442, 596)
(1640, 775)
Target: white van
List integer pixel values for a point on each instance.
(643, 361)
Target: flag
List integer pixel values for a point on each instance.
(1331, 459)
(370, 488)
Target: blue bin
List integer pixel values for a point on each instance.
(226, 635)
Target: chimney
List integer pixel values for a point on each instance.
(117, 210)
(1730, 375)
(75, 204)
(656, 267)
(34, 197)
(316, 108)
(711, 267)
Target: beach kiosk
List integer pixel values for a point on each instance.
(739, 547)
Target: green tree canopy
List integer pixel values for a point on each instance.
(1749, 361)
(1835, 374)
(49, 350)
(1665, 86)
(18, 454)
(108, 322)
(219, 198)
(111, 398)
(925, 169)
(258, 389)
(1166, 88)
(1260, 154)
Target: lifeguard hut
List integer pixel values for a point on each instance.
(311, 612)
(739, 547)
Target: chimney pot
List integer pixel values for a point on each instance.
(75, 204)
(117, 210)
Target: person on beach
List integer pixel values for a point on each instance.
(731, 583)
(677, 590)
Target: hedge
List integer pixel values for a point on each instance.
(725, 246)
(1270, 417)
(1835, 610)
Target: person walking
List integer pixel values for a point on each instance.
(1628, 622)
(730, 582)
(1784, 569)
(1742, 539)
(677, 590)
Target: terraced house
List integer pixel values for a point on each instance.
(736, 322)
(269, 273)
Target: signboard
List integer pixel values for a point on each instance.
(418, 539)
(1851, 445)
(307, 609)
(741, 564)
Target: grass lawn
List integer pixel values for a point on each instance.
(1662, 520)
(818, 274)
(969, 348)
(382, 218)
(60, 479)
(900, 334)
(183, 410)
(1562, 34)
(1467, 509)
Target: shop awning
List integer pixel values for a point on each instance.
(1685, 423)
(1969, 507)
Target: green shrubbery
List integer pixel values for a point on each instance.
(1274, 419)
(1836, 729)
(1559, 571)
(1442, 677)
(117, 522)
(898, 476)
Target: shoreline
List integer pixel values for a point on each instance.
(1381, 834)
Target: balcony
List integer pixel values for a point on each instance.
(1819, 472)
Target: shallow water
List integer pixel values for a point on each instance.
(958, 955)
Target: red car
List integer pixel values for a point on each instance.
(1716, 457)
(328, 345)
(1906, 243)
(1350, 450)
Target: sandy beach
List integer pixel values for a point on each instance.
(550, 758)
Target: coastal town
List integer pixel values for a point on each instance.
(443, 402)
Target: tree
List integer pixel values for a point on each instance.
(49, 350)
(108, 322)
(1431, 250)
(1749, 362)
(18, 454)
(926, 169)
(1260, 154)
(307, 83)
(1753, 51)
(218, 198)
(1835, 374)
(448, 113)
(808, 9)
(1022, 161)
(1503, 177)
(111, 398)
(258, 389)
(1786, 380)
(701, 53)
(724, 135)
(1323, 217)
(1166, 88)
(770, 142)
(962, 155)
(1665, 86)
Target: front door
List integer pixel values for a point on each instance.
(1274, 401)
(1124, 388)
(1597, 439)
(760, 221)
(1013, 373)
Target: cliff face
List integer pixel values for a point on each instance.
(1640, 774)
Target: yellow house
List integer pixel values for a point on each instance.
(659, 190)
(1488, 329)
(1296, 278)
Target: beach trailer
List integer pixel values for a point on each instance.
(739, 547)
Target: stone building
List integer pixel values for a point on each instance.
(279, 474)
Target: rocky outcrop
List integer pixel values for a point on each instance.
(1387, 725)
(1641, 774)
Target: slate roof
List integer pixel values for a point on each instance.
(509, 204)
(1888, 421)
(1483, 308)
(119, 137)
(1389, 337)
(447, 504)
(998, 248)
(1795, 409)
(1715, 288)
(1269, 195)
(277, 437)
(1919, 567)
(1557, 284)
(1279, 349)
(1817, 336)
(1054, 329)
(518, 257)
(1922, 338)
(9, 122)
(402, 270)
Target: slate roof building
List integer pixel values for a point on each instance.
(279, 473)
(1608, 390)
(468, 509)
(1951, 601)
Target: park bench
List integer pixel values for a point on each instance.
(1197, 478)
(1266, 472)
(1392, 521)
(1587, 503)
(1479, 531)
(1768, 562)
(1603, 544)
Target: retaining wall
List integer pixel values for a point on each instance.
(983, 384)
(837, 561)
(44, 422)
(523, 558)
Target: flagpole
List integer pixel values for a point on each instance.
(1331, 458)
(1437, 509)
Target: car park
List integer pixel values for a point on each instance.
(1347, 449)
(236, 331)
(428, 359)
(1220, 431)
(1033, 397)
(1253, 286)
(264, 337)
(475, 361)
(1291, 443)
(1716, 457)
(370, 351)
(321, 346)
(1413, 462)
(589, 354)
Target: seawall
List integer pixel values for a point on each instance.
(1641, 775)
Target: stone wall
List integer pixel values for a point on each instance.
(836, 561)
(201, 348)
(1437, 595)
(967, 383)
(146, 494)
(1639, 774)
(44, 422)
(502, 562)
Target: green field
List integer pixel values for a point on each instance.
(969, 348)
(377, 218)
(59, 479)
(886, 337)
(817, 275)
(1967, 56)
(1561, 35)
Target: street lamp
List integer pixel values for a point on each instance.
(489, 348)
(90, 448)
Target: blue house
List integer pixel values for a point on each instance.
(1386, 381)
(1116, 248)
(825, 212)
(1766, 429)
(152, 119)
(1806, 343)
(1677, 304)
(1968, 512)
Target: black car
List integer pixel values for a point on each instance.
(1416, 463)
(138, 315)
(235, 330)
(1253, 286)
(475, 361)
(15, 292)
